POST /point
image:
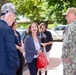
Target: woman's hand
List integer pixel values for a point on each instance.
(39, 52)
(19, 48)
(43, 44)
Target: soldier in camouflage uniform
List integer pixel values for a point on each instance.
(69, 43)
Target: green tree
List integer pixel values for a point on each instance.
(2, 2)
(60, 6)
(28, 8)
(44, 10)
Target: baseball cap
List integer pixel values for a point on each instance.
(70, 10)
(8, 7)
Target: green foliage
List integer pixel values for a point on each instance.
(2, 2)
(60, 6)
(49, 11)
(23, 25)
(28, 8)
(51, 26)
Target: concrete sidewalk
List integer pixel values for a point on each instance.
(55, 67)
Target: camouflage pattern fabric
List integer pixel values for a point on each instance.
(69, 49)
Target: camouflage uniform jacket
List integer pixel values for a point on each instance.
(69, 43)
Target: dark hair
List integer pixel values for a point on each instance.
(2, 14)
(29, 28)
(43, 24)
(13, 24)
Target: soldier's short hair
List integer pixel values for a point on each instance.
(70, 10)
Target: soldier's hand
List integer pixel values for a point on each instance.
(68, 60)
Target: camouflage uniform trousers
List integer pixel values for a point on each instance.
(69, 69)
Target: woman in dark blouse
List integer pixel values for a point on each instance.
(19, 47)
(46, 42)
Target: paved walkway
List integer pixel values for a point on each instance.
(55, 67)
